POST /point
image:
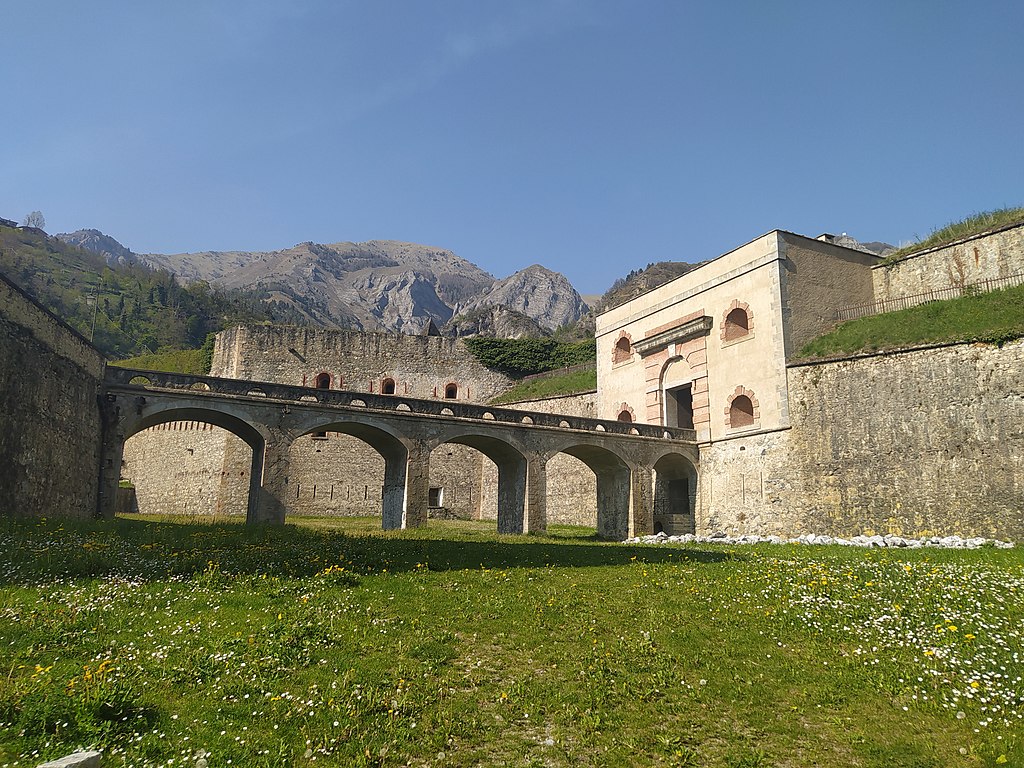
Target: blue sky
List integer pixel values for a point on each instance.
(592, 137)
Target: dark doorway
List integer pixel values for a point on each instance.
(679, 407)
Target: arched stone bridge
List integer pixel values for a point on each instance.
(624, 456)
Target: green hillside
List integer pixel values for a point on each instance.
(127, 309)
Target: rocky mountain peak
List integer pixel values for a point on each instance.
(96, 241)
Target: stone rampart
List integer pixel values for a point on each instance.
(919, 442)
(988, 256)
(50, 442)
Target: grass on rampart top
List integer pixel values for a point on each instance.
(187, 361)
(972, 225)
(997, 316)
(330, 643)
(549, 386)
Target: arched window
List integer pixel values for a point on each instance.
(738, 322)
(451, 392)
(322, 381)
(623, 350)
(625, 416)
(741, 412)
(387, 387)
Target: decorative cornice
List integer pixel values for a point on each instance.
(684, 332)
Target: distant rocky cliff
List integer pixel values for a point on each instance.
(376, 285)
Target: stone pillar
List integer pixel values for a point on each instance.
(613, 485)
(417, 486)
(641, 506)
(512, 495)
(536, 494)
(394, 492)
(269, 481)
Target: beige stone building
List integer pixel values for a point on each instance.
(708, 350)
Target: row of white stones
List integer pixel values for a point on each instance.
(942, 542)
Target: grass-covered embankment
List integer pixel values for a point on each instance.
(553, 385)
(997, 316)
(330, 643)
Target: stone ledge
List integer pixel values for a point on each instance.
(76, 760)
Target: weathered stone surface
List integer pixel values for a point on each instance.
(986, 256)
(89, 759)
(50, 435)
(919, 443)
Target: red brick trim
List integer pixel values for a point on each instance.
(674, 323)
(622, 353)
(733, 332)
(740, 413)
(625, 408)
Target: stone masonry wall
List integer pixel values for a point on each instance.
(192, 478)
(983, 257)
(50, 426)
(920, 442)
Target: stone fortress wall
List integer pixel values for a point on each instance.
(987, 256)
(50, 440)
(919, 442)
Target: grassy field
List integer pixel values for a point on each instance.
(331, 643)
(996, 316)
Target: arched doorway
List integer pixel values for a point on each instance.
(675, 495)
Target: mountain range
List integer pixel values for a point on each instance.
(379, 285)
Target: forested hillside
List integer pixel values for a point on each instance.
(127, 309)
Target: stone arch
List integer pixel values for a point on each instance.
(611, 487)
(388, 386)
(622, 351)
(361, 469)
(451, 391)
(676, 385)
(322, 380)
(221, 486)
(626, 413)
(737, 322)
(511, 464)
(742, 410)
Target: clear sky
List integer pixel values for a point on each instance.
(592, 137)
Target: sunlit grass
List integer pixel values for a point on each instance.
(995, 316)
(329, 642)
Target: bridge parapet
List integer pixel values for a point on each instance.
(198, 385)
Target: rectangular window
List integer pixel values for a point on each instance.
(435, 497)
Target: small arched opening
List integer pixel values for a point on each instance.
(322, 381)
(387, 386)
(675, 493)
(451, 391)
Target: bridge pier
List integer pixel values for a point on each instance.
(613, 497)
(268, 481)
(536, 494)
(512, 494)
(641, 501)
(417, 486)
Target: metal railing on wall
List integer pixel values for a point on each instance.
(940, 294)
